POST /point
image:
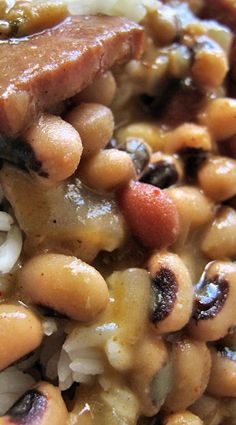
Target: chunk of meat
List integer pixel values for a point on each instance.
(46, 68)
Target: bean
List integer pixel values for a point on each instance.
(182, 418)
(210, 63)
(95, 124)
(194, 208)
(42, 404)
(222, 382)
(214, 311)
(139, 152)
(187, 136)
(163, 171)
(107, 170)
(217, 177)
(102, 90)
(219, 116)
(56, 144)
(150, 213)
(65, 284)
(151, 375)
(150, 133)
(219, 239)
(172, 292)
(21, 332)
(191, 363)
(162, 24)
(209, 409)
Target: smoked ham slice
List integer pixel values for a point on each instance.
(39, 71)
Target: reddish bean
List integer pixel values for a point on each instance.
(150, 213)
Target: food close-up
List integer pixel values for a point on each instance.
(117, 212)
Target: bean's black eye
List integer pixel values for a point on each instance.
(21, 154)
(29, 408)
(192, 158)
(211, 295)
(225, 351)
(161, 174)
(139, 153)
(164, 288)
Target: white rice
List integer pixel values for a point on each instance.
(49, 326)
(11, 246)
(13, 384)
(83, 354)
(133, 9)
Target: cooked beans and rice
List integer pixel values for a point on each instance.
(118, 212)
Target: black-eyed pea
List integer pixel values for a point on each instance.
(191, 365)
(219, 116)
(21, 332)
(182, 418)
(65, 284)
(187, 136)
(195, 6)
(219, 239)
(95, 124)
(139, 152)
(151, 377)
(172, 289)
(214, 312)
(150, 133)
(222, 382)
(163, 170)
(56, 146)
(217, 178)
(107, 170)
(209, 409)
(210, 63)
(102, 90)
(194, 208)
(42, 405)
(230, 339)
(162, 24)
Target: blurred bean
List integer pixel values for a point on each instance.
(194, 208)
(191, 363)
(102, 90)
(187, 136)
(107, 170)
(217, 178)
(222, 382)
(151, 375)
(95, 124)
(219, 116)
(162, 24)
(209, 409)
(219, 239)
(150, 133)
(182, 418)
(210, 63)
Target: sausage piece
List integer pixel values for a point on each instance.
(46, 68)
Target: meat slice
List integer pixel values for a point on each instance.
(49, 67)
